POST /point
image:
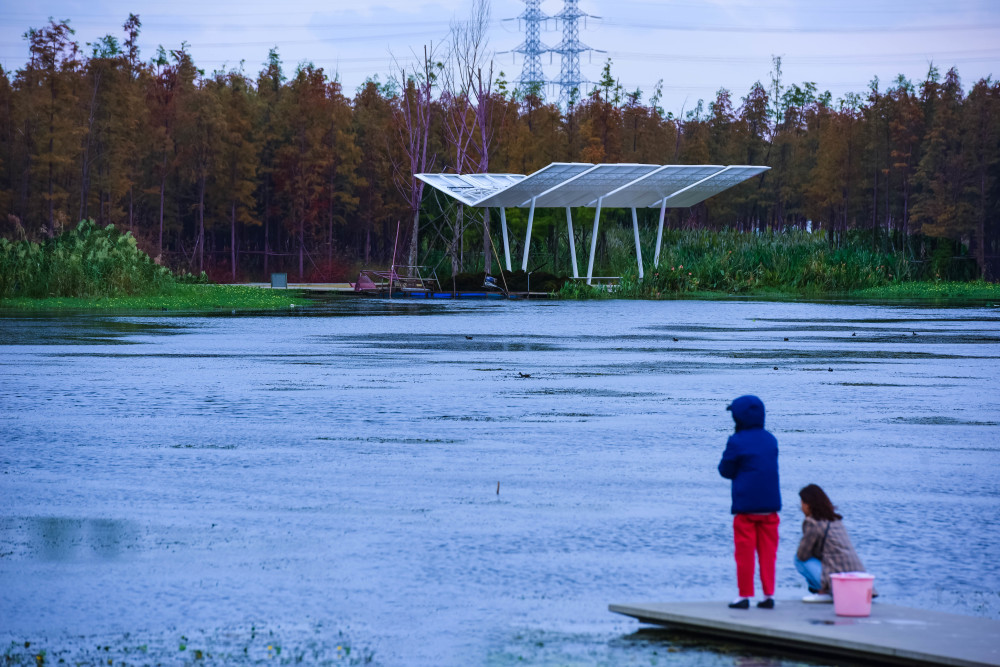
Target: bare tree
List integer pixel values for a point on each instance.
(413, 116)
(468, 101)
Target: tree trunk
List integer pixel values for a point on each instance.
(52, 130)
(85, 176)
(232, 238)
(201, 223)
(981, 229)
(906, 206)
(368, 239)
(52, 221)
(163, 188)
(25, 188)
(267, 226)
(487, 243)
(456, 243)
(329, 240)
(875, 225)
(414, 237)
(302, 246)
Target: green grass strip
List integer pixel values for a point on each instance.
(933, 290)
(199, 298)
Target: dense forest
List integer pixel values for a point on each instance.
(240, 174)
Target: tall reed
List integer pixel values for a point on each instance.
(87, 261)
(736, 263)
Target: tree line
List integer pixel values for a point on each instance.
(240, 174)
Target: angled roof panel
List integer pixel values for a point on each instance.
(521, 193)
(651, 189)
(713, 185)
(470, 188)
(585, 188)
(563, 184)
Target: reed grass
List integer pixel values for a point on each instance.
(90, 267)
(87, 261)
(732, 262)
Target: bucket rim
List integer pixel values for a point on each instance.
(852, 575)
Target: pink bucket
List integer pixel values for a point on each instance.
(852, 593)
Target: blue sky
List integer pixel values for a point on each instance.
(694, 46)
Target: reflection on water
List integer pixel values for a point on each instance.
(470, 483)
(671, 641)
(66, 539)
(48, 329)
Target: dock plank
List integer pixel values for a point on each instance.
(891, 634)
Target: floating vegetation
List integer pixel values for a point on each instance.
(942, 421)
(229, 646)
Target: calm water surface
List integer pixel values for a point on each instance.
(323, 486)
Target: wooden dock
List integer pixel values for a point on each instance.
(310, 287)
(427, 295)
(892, 634)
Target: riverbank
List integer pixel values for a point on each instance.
(210, 298)
(938, 292)
(179, 297)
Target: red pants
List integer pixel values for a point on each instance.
(755, 533)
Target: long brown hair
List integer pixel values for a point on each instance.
(818, 503)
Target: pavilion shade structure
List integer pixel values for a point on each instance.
(586, 188)
(520, 194)
(572, 185)
(471, 188)
(713, 185)
(576, 184)
(654, 187)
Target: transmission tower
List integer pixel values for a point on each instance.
(532, 47)
(570, 49)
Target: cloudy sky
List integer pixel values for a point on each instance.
(694, 46)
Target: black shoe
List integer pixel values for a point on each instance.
(766, 604)
(812, 590)
(740, 604)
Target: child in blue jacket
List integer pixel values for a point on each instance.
(751, 462)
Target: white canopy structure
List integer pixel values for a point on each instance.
(575, 184)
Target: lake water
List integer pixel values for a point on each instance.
(377, 481)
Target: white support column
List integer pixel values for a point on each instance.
(635, 232)
(659, 234)
(527, 237)
(572, 241)
(506, 243)
(593, 240)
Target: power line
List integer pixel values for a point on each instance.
(149, 21)
(671, 27)
(869, 59)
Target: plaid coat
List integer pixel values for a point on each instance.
(828, 541)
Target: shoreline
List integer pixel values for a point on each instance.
(259, 297)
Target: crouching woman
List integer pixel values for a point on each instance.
(825, 547)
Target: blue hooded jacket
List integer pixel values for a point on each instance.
(751, 460)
